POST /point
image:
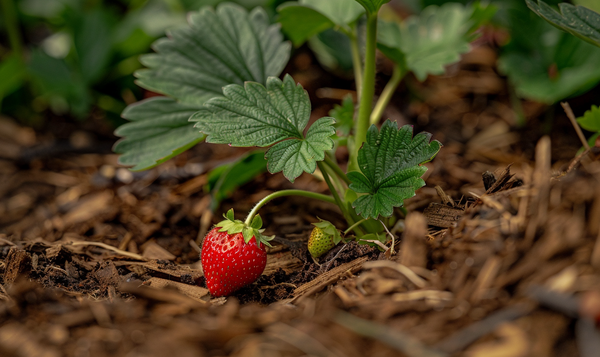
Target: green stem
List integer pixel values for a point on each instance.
(334, 192)
(338, 171)
(341, 204)
(356, 62)
(517, 106)
(337, 183)
(368, 91)
(12, 27)
(274, 195)
(387, 93)
(354, 226)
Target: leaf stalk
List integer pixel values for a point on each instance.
(356, 61)
(388, 92)
(367, 92)
(274, 195)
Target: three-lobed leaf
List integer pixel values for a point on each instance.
(390, 163)
(576, 20)
(306, 18)
(216, 48)
(425, 44)
(255, 115)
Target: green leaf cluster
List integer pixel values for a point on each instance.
(234, 226)
(576, 20)
(255, 115)
(425, 44)
(390, 168)
(216, 48)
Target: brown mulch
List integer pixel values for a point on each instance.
(98, 261)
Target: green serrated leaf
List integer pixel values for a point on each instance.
(427, 43)
(256, 222)
(344, 116)
(544, 63)
(215, 49)
(192, 65)
(278, 114)
(159, 130)
(306, 18)
(390, 162)
(576, 20)
(372, 6)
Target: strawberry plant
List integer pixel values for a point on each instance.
(220, 80)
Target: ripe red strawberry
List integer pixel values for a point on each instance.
(229, 263)
(231, 257)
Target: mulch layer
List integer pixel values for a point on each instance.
(499, 255)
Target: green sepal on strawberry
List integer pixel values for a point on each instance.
(323, 238)
(233, 255)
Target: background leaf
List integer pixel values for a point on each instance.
(225, 179)
(590, 120)
(12, 72)
(306, 18)
(93, 37)
(372, 6)
(257, 116)
(425, 44)
(390, 163)
(343, 115)
(576, 20)
(542, 62)
(333, 51)
(216, 49)
(159, 130)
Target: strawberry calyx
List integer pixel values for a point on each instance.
(234, 226)
(329, 229)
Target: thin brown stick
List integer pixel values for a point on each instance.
(110, 247)
(571, 117)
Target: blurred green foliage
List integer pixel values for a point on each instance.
(69, 56)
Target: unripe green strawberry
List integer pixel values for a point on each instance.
(319, 242)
